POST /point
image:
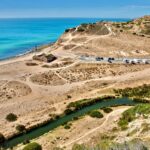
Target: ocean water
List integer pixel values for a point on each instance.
(17, 36)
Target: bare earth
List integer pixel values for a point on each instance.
(35, 92)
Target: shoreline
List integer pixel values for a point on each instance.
(27, 53)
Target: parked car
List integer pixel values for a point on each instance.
(127, 61)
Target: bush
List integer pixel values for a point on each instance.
(107, 110)
(2, 138)
(20, 128)
(67, 126)
(33, 146)
(96, 114)
(68, 111)
(11, 117)
(26, 141)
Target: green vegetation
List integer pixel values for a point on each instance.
(79, 147)
(96, 114)
(11, 117)
(67, 126)
(131, 114)
(80, 29)
(110, 145)
(20, 128)
(78, 105)
(107, 109)
(138, 92)
(33, 146)
(2, 138)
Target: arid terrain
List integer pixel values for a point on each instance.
(34, 90)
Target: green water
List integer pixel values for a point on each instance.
(50, 126)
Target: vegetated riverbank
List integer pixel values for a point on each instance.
(138, 94)
(60, 120)
(132, 113)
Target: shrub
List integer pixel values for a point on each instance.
(68, 111)
(75, 118)
(26, 141)
(33, 146)
(107, 110)
(69, 96)
(2, 138)
(20, 128)
(96, 114)
(67, 126)
(11, 117)
(81, 29)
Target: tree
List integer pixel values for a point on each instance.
(11, 117)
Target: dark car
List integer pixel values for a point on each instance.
(99, 58)
(111, 59)
(127, 61)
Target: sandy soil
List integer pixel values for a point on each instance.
(34, 92)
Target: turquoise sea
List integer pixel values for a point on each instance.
(18, 36)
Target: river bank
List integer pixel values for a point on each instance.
(40, 130)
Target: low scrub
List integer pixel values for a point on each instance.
(20, 128)
(33, 146)
(96, 114)
(110, 145)
(67, 126)
(11, 117)
(107, 109)
(138, 92)
(78, 105)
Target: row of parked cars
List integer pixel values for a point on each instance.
(117, 60)
(136, 61)
(110, 59)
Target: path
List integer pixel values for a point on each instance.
(104, 124)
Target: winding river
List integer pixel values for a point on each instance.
(35, 133)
